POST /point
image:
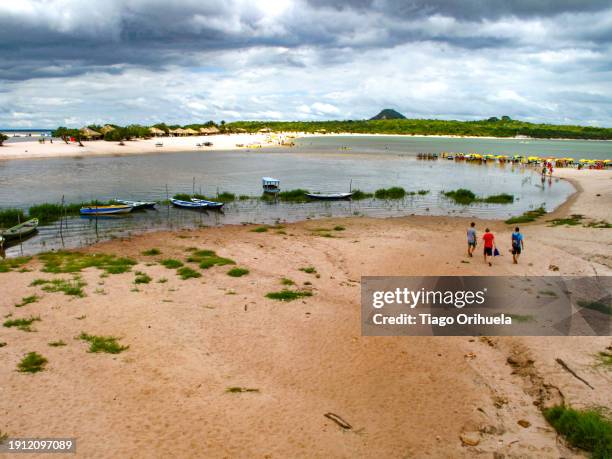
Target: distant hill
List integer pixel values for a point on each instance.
(389, 114)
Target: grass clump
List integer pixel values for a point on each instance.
(395, 192)
(72, 287)
(32, 363)
(423, 192)
(297, 195)
(339, 228)
(59, 343)
(237, 390)
(237, 272)
(73, 262)
(605, 358)
(142, 278)
(208, 259)
(585, 429)
(151, 252)
(171, 263)
(226, 196)
(22, 324)
(187, 273)
(9, 264)
(596, 306)
(573, 220)
(286, 281)
(461, 196)
(288, 295)
(358, 195)
(27, 300)
(599, 224)
(106, 344)
(309, 270)
(503, 198)
(527, 217)
(260, 229)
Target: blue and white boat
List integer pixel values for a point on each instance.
(197, 204)
(138, 205)
(106, 210)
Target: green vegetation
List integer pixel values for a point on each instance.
(22, 324)
(288, 295)
(27, 300)
(9, 264)
(358, 195)
(309, 270)
(527, 217)
(142, 278)
(187, 273)
(208, 259)
(32, 363)
(605, 358)
(11, 217)
(237, 272)
(106, 344)
(339, 228)
(226, 196)
(286, 281)
(573, 220)
(519, 318)
(260, 229)
(423, 192)
(171, 263)
(151, 252)
(494, 127)
(2, 139)
(72, 287)
(585, 429)
(466, 197)
(596, 306)
(73, 262)
(59, 343)
(297, 195)
(599, 224)
(396, 192)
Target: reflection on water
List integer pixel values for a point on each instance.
(155, 176)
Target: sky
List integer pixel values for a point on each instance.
(79, 62)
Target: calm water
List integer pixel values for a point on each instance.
(316, 164)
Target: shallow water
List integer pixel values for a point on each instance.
(316, 165)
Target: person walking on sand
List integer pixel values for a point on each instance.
(517, 245)
(489, 246)
(471, 239)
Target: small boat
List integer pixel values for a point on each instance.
(198, 204)
(138, 205)
(159, 144)
(106, 210)
(20, 231)
(270, 185)
(329, 196)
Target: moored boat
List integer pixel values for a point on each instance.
(198, 204)
(106, 210)
(20, 231)
(208, 204)
(270, 185)
(138, 205)
(329, 196)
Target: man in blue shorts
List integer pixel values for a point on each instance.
(517, 245)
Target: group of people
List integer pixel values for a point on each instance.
(490, 249)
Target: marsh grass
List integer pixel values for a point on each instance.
(171, 263)
(11, 217)
(151, 252)
(465, 197)
(59, 343)
(22, 324)
(527, 217)
(585, 429)
(32, 362)
(107, 344)
(572, 220)
(297, 195)
(358, 195)
(142, 278)
(395, 192)
(72, 287)
(288, 295)
(27, 300)
(9, 264)
(73, 262)
(238, 272)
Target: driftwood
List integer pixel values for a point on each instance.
(338, 420)
(572, 372)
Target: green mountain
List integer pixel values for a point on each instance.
(389, 114)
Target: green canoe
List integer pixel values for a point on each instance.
(20, 231)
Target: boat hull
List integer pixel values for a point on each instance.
(197, 205)
(20, 231)
(106, 210)
(330, 197)
(138, 205)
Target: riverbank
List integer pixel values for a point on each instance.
(215, 368)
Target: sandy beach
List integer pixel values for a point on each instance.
(192, 340)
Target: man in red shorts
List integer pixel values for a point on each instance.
(489, 245)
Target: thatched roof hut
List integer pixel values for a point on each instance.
(190, 131)
(156, 131)
(107, 128)
(89, 133)
(266, 129)
(209, 130)
(178, 132)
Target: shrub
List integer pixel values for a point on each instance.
(32, 363)
(237, 272)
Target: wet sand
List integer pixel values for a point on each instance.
(191, 340)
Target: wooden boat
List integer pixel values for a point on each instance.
(270, 185)
(197, 204)
(138, 205)
(20, 231)
(106, 210)
(329, 196)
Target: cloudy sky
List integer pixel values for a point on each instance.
(76, 62)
